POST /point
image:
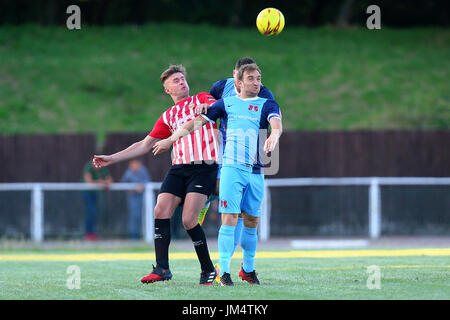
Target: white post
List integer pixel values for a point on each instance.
(149, 204)
(37, 213)
(264, 225)
(374, 209)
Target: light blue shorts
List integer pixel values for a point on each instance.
(240, 190)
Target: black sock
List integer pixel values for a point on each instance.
(201, 247)
(162, 241)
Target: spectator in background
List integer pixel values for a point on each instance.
(136, 173)
(100, 177)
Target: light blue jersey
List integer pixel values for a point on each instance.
(243, 119)
(240, 189)
(226, 88)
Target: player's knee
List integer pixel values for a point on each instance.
(189, 221)
(229, 219)
(161, 212)
(250, 221)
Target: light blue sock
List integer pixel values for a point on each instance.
(225, 243)
(237, 234)
(249, 240)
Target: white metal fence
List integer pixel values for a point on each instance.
(373, 183)
(37, 201)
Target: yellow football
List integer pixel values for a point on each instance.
(270, 22)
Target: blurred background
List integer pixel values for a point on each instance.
(355, 103)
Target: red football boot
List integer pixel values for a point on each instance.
(250, 277)
(158, 274)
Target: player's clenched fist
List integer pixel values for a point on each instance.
(102, 161)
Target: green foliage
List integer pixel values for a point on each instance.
(102, 79)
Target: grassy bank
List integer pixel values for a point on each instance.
(103, 79)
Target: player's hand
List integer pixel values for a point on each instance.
(201, 108)
(162, 146)
(270, 143)
(102, 161)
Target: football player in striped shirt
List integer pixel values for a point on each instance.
(191, 178)
(241, 190)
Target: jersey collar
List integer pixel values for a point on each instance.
(248, 99)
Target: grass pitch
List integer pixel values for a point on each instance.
(284, 275)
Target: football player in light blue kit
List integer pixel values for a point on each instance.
(241, 191)
(222, 89)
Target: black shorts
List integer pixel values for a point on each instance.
(184, 178)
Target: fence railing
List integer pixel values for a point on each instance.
(37, 201)
(374, 205)
(373, 183)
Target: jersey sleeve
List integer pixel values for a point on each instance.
(265, 93)
(217, 89)
(270, 110)
(160, 129)
(204, 97)
(216, 111)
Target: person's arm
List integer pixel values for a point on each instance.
(137, 149)
(277, 130)
(189, 127)
(271, 112)
(160, 131)
(206, 100)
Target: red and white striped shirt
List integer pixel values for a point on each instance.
(199, 145)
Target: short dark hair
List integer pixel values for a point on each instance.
(242, 61)
(247, 67)
(171, 70)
